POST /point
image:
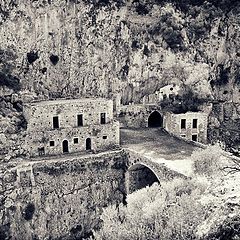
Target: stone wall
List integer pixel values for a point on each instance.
(39, 114)
(136, 115)
(59, 198)
(40, 131)
(172, 123)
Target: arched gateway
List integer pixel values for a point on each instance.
(155, 119)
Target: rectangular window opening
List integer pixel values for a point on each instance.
(194, 137)
(80, 120)
(104, 137)
(103, 118)
(55, 122)
(75, 140)
(51, 143)
(194, 123)
(183, 123)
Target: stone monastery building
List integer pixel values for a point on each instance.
(70, 126)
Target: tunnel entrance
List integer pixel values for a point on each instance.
(140, 176)
(155, 120)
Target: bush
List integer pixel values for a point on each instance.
(10, 81)
(207, 161)
(170, 211)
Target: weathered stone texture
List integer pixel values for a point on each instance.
(103, 48)
(172, 123)
(103, 133)
(53, 199)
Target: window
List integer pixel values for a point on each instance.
(194, 137)
(75, 140)
(194, 123)
(183, 123)
(104, 137)
(103, 118)
(51, 143)
(80, 120)
(55, 122)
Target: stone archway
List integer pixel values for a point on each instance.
(155, 120)
(140, 176)
(65, 147)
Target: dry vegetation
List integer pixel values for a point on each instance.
(175, 210)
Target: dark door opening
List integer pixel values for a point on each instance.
(65, 146)
(41, 151)
(155, 120)
(88, 144)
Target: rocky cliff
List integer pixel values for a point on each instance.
(76, 48)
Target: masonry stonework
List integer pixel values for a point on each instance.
(60, 198)
(190, 125)
(62, 126)
(137, 115)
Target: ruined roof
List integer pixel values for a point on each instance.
(67, 101)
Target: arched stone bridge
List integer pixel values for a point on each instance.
(154, 156)
(143, 172)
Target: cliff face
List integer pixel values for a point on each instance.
(99, 48)
(59, 199)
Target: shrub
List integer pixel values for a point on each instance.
(207, 161)
(170, 211)
(10, 81)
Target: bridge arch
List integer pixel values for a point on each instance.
(140, 175)
(155, 119)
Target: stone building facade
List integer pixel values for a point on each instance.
(166, 92)
(70, 126)
(190, 125)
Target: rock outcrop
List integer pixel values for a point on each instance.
(73, 48)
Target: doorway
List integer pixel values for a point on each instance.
(88, 144)
(65, 146)
(155, 120)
